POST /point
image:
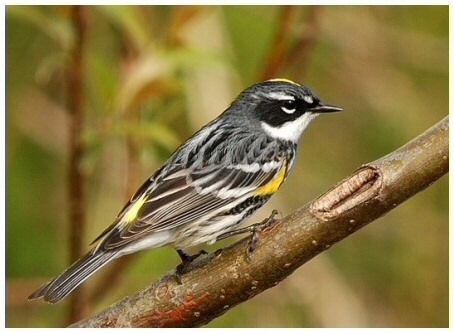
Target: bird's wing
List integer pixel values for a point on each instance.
(186, 195)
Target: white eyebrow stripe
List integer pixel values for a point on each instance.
(281, 96)
(308, 99)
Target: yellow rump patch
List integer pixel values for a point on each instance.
(284, 80)
(133, 211)
(274, 185)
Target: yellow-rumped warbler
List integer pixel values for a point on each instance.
(212, 182)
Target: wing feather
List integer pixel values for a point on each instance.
(187, 194)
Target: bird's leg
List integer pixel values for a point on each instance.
(267, 224)
(186, 260)
(255, 229)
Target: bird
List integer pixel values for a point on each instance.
(211, 184)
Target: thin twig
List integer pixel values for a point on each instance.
(299, 56)
(279, 46)
(295, 57)
(76, 176)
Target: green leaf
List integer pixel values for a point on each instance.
(251, 30)
(160, 134)
(48, 22)
(128, 19)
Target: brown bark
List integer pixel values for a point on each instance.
(76, 176)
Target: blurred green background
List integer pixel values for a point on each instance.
(154, 75)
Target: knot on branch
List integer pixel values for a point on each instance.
(363, 185)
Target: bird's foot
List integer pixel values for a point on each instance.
(255, 229)
(186, 260)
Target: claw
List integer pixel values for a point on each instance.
(269, 223)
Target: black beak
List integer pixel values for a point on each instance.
(325, 108)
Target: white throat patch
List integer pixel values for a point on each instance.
(291, 130)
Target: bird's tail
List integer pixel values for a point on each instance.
(57, 289)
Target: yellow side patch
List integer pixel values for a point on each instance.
(132, 212)
(284, 80)
(274, 185)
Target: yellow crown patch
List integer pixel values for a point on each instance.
(284, 80)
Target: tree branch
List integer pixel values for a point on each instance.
(299, 56)
(76, 177)
(279, 46)
(217, 282)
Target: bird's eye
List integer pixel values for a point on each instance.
(288, 106)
